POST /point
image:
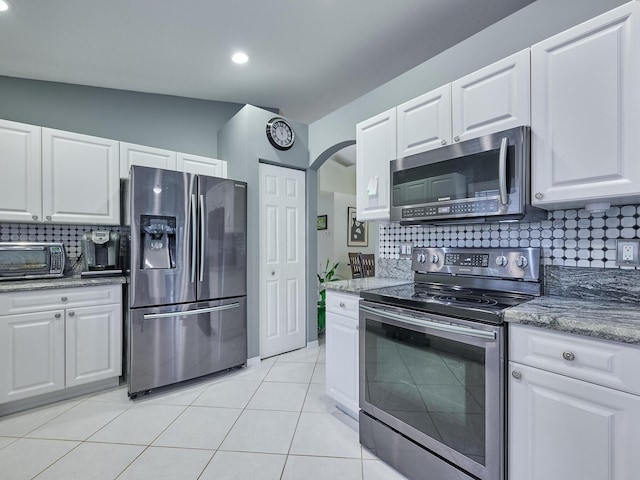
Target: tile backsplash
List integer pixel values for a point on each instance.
(69, 235)
(570, 238)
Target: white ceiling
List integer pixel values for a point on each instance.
(308, 57)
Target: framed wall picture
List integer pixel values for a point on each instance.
(357, 232)
(322, 222)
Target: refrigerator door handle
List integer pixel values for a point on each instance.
(202, 237)
(150, 316)
(194, 238)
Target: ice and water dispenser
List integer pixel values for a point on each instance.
(158, 241)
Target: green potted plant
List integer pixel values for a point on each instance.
(327, 275)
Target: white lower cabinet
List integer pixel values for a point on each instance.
(564, 427)
(31, 354)
(342, 350)
(93, 344)
(55, 339)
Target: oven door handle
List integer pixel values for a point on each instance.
(502, 174)
(443, 327)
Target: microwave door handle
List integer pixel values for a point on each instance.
(502, 174)
(194, 238)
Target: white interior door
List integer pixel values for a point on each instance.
(282, 260)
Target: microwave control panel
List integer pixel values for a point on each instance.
(477, 207)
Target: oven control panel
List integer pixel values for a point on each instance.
(513, 263)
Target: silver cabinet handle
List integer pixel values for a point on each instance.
(35, 217)
(456, 138)
(273, 273)
(342, 304)
(443, 142)
(71, 314)
(64, 299)
(48, 217)
(568, 356)
(502, 172)
(57, 315)
(516, 374)
(539, 196)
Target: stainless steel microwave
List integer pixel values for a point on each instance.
(27, 260)
(483, 179)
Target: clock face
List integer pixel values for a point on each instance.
(280, 133)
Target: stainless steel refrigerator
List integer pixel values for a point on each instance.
(187, 292)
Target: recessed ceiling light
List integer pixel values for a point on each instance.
(3, 6)
(238, 57)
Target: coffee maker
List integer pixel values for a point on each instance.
(101, 252)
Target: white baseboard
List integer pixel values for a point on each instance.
(253, 361)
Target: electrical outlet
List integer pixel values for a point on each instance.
(628, 252)
(405, 250)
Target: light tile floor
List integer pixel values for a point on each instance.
(268, 422)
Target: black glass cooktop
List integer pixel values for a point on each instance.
(467, 303)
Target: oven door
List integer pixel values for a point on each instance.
(438, 381)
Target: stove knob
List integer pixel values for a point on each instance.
(501, 261)
(421, 257)
(522, 262)
(435, 259)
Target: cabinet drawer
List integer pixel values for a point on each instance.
(601, 362)
(343, 303)
(40, 300)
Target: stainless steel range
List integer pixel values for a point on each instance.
(432, 363)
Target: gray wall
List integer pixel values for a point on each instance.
(534, 23)
(243, 143)
(174, 123)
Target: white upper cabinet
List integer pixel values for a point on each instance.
(586, 112)
(213, 167)
(21, 166)
(492, 99)
(375, 148)
(80, 181)
(132, 154)
(424, 123)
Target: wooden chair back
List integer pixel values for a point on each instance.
(354, 263)
(368, 264)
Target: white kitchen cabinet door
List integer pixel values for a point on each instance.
(93, 343)
(424, 123)
(21, 167)
(375, 148)
(201, 165)
(494, 98)
(80, 180)
(343, 354)
(570, 429)
(31, 354)
(585, 108)
(132, 154)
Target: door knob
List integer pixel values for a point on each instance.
(57, 315)
(71, 314)
(568, 356)
(539, 196)
(35, 217)
(456, 138)
(443, 142)
(516, 374)
(63, 299)
(273, 273)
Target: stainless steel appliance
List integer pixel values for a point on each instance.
(28, 260)
(432, 362)
(187, 293)
(101, 252)
(484, 179)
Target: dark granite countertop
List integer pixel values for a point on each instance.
(602, 319)
(357, 285)
(64, 282)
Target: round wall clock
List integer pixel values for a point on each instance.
(280, 133)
